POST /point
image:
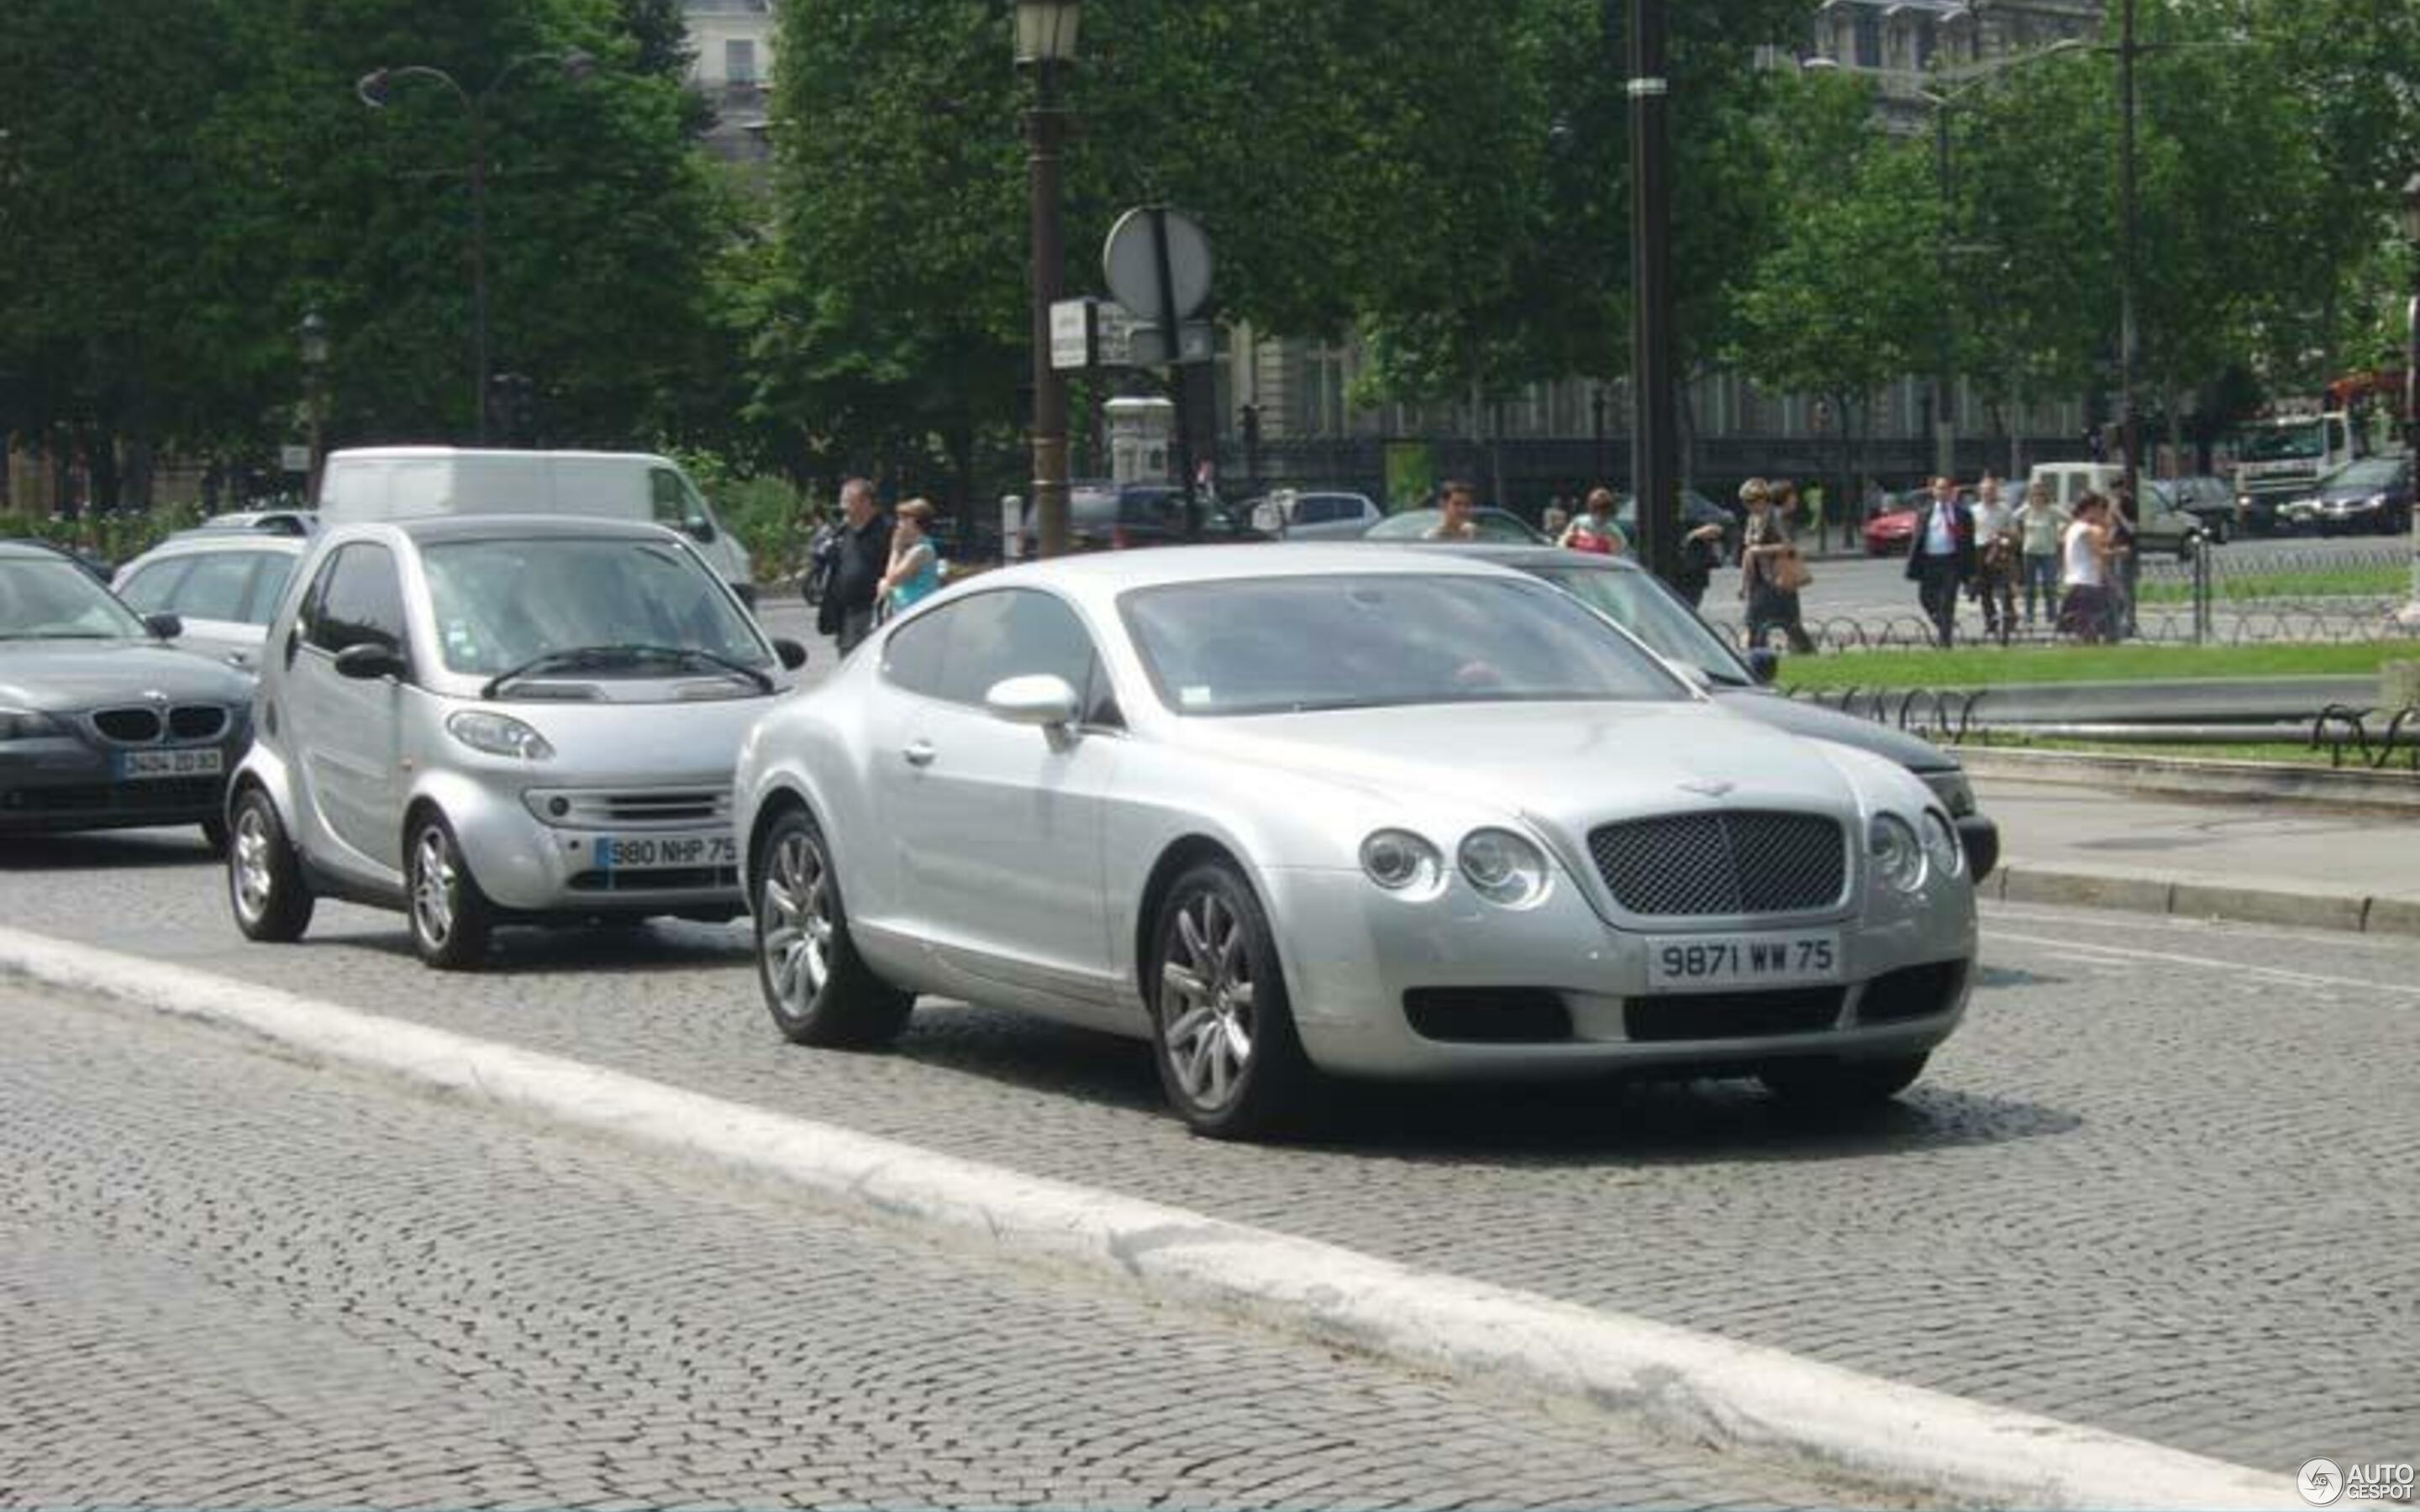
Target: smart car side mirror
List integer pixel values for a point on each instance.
(368, 661)
(167, 627)
(1044, 700)
(793, 654)
(1764, 664)
(701, 531)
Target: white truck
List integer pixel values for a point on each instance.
(2282, 458)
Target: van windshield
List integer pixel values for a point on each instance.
(504, 604)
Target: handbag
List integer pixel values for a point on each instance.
(1789, 572)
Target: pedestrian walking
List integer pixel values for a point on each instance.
(2041, 524)
(1941, 558)
(1592, 529)
(1996, 559)
(1556, 521)
(2085, 600)
(1771, 572)
(846, 613)
(915, 566)
(1453, 515)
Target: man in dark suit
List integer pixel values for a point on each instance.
(1940, 558)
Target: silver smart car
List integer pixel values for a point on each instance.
(504, 718)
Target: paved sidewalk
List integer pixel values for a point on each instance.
(2261, 861)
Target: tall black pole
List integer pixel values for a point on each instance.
(1944, 456)
(1177, 390)
(1044, 130)
(1654, 431)
(478, 275)
(2129, 417)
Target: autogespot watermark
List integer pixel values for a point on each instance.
(2325, 1483)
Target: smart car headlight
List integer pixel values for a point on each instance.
(498, 734)
(26, 724)
(1505, 868)
(1898, 855)
(1401, 861)
(1940, 845)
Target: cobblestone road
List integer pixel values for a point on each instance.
(229, 1281)
(2161, 1183)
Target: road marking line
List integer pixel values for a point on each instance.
(2304, 979)
(1698, 1387)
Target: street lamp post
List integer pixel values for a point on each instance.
(2411, 375)
(312, 335)
(1654, 444)
(373, 89)
(1046, 41)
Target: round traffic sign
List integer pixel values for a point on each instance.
(1131, 263)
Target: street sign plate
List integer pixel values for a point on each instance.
(1196, 341)
(1130, 264)
(1071, 333)
(294, 458)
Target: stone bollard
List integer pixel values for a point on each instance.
(2398, 685)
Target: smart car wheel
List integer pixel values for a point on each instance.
(451, 919)
(1222, 1029)
(1841, 1084)
(264, 880)
(819, 989)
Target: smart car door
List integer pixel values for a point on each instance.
(999, 824)
(344, 733)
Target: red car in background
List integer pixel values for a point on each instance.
(1888, 535)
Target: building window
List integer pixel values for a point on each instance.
(1870, 39)
(739, 60)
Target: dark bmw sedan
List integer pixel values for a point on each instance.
(1634, 599)
(103, 726)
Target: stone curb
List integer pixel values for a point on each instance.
(2303, 906)
(2182, 777)
(1707, 1389)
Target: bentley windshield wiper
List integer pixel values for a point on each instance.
(624, 655)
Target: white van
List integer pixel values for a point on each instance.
(384, 482)
(2071, 481)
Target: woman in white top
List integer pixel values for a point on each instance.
(2084, 571)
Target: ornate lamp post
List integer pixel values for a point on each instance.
(312, 336)
(2410, 614)
(1046, 42)
(373, 89)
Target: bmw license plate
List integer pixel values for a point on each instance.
(145, 765)
(665, 853)
(1695, 961)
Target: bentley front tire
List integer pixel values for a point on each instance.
(1841, 1086)
(1222, 1029)
(819, 989)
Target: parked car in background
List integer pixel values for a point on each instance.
(95, 567)
(2209, 499)
(486, 721)
(103, 724)
(1315, 515)
(1695, 509)
(1492, 525)
(265, 521)
(222, 585)
(2373, 493)
(1639, 601)
(1338, 809)
(2160, 526)
(1890, 533)
(1118, 516)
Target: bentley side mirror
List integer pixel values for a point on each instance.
(1764, 664)
(368, 661)
(1044, 701)
(793, 654)
(167, 627)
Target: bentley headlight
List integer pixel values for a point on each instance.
(1401, 861)
(1951, 787)
(26, 724)
(1898, 857)
(498, 734)
(1504, 868)
(1940, 845)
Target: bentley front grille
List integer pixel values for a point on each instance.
(1722, 863)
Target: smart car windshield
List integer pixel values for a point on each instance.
(1296, 645)
(624, 607)
(56, 600)
(1636, 602)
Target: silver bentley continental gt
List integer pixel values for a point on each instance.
(1339, 811)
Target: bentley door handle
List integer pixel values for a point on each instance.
(919, 753)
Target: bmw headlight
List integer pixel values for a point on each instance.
(1401, 861)
(498, 734)
(1505, 868)
(26, 724)
(1898, 855)
(1951, 787)
(1940, 845)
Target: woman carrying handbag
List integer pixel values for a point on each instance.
(1770, 573)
